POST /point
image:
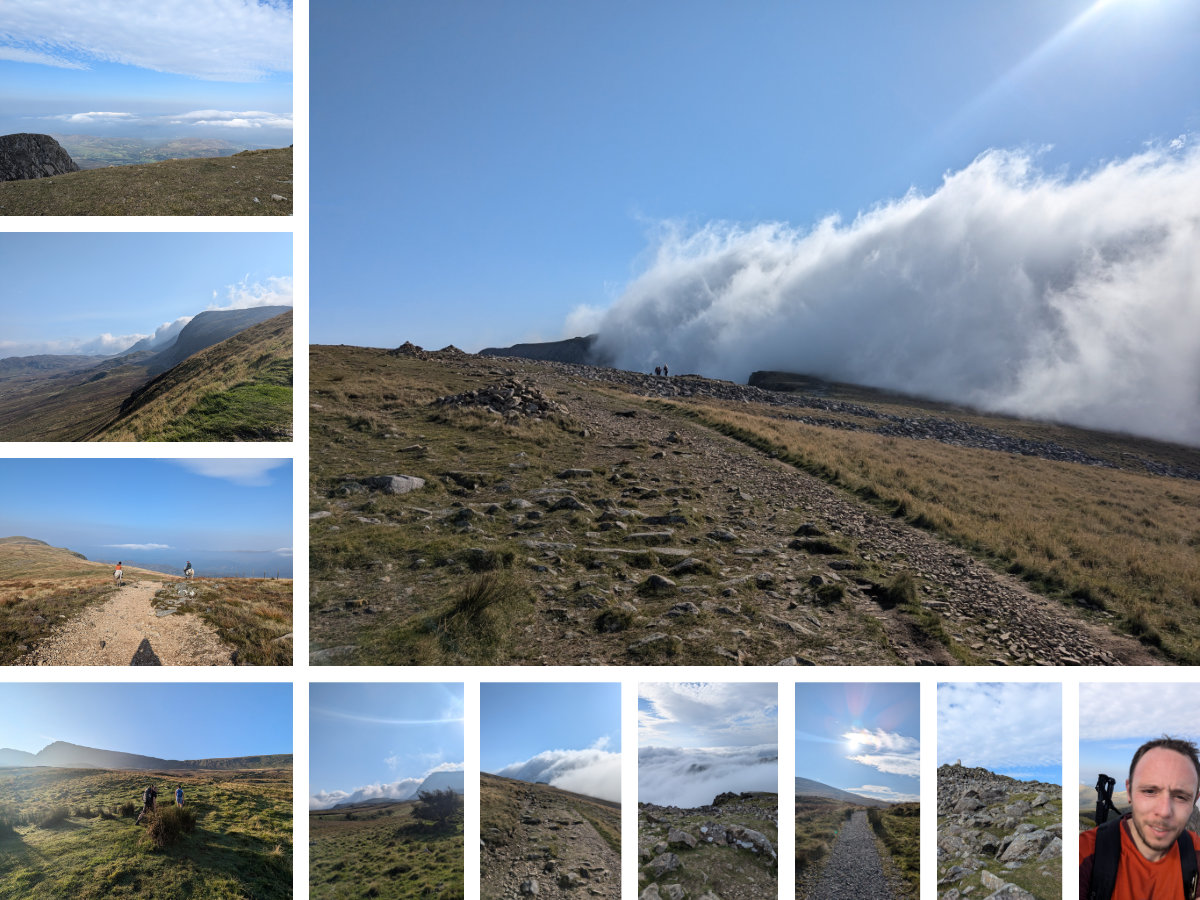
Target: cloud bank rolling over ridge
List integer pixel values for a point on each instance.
(593, 772)
(685, 777)
(1007, 288)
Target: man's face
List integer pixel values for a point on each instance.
(1162, 793)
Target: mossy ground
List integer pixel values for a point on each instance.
(241, 848)
(383, 851)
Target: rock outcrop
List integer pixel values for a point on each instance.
(24, 156)
(997, 836)
(724, 850)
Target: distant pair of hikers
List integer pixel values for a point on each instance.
(150, 800)
(661, 370)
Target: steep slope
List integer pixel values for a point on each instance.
(539, 840)
(24, 156)
(208, 328)
(239, 389)
(24, 557)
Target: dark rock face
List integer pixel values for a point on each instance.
(33, 156)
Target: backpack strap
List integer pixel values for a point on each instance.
(1106, 860)
(1187, 862)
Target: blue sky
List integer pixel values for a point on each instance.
(235, 512)
(531, 149)
(863, 738)
(155, 69)
(1023, 728)
(122, 287)
(687, 179)
(198, 721)
(380, 740)
(566, 735)
(1116, 719)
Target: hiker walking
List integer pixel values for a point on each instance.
(1148, 852)
(179, 796)
(658, 371)
(149, 795)
(666, 371)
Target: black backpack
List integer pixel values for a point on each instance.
(1107, 860)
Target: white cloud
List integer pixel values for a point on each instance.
(275, 291)
(16, 54)
(674, 776)
(401, 789)
(594, 772)
(1137, 712)
(140, 546)
(896, 754)
(101, 345)
(1023, 721)
(708, 714)
(882, 792)
(218, 40)
(229, 119)
(1007, 288)
(246, 472)
(91, 118)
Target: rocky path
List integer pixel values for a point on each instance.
(128, 631)
(651, 539)
(854, 869)
(554, 853)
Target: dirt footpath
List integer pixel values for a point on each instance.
(127, 631)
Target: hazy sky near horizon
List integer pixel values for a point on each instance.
(122, 287)
(861, 737)
(200, 721)
(126, 509)
(567, 735)
(1010, 728)
(986, 203)
(1116, 719)
(153, 69)
(380, 740)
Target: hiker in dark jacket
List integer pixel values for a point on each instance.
(149, 795)
(1148, 853)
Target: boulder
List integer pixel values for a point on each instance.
(24, 156)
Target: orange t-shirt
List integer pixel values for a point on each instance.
(1137, 877)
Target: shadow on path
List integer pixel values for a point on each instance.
(145, 655)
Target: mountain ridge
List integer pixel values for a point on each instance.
(65, 755)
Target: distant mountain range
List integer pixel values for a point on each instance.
(806, 787)
(72, 398)
(64, 755)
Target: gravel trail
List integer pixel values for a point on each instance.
(854, 869)
(126, 631)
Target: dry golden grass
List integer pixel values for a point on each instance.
(1105, 538)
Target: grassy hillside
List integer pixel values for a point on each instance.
(1117, 543)
(818, 821)
(253, 615)
(63, 833)
(382, 850)
(238, 185)
(899, 828)
(501, 800)
(40, 586)
(237, 390)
